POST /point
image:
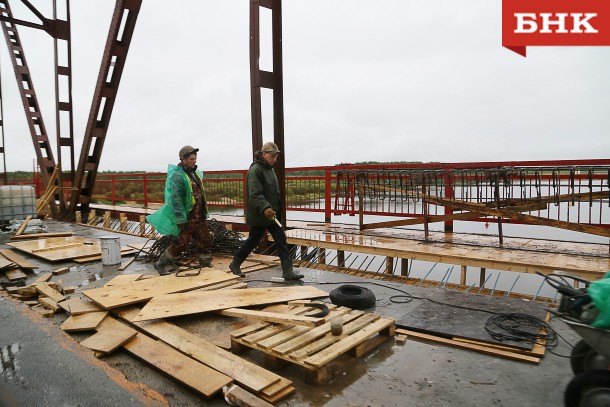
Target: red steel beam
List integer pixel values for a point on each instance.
(113, 61)
(42, 146)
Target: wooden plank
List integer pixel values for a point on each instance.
(76, 306)
(469, 346)
(61, 270)
(338, 348)
(188, 371)
(58, 247)
(272, 317)
(71, 248)
(48, 303)
(126, 263)
(269, 329)
(43, 278)
(125, 251)
(42, 311)
(83, 322)
(42, 235)
(261, 325)
(23, 225)
(111, 334)
(237, 396)
(170, 305)
(47, 290)
(123, 279)
(19, 260)
(15, 274)
(294, 332)
(143, 290)
(246, 373)
(6, 263)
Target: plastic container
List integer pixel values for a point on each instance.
(17, 202)
(111, 250)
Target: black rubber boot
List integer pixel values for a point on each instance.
(288, 272)
(165, 260)
(205, 260)
(235, 267)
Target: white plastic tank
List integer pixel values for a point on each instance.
(17, 202)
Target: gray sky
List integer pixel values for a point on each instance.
(392, 80)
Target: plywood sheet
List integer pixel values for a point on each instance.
(83, 322)
(74, 246)
(76, 306)
(172, 305)
(123, 279)
(246, 373)
(190, 372)
(143, 290)
(111, 334)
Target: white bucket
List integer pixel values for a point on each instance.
(111, 250)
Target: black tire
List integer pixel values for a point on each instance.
(352, 296)
(589, 389)
(584, 358)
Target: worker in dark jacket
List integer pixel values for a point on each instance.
(184, 213)
(262, 207)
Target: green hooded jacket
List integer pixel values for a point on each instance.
(263, 192)
(178, 202)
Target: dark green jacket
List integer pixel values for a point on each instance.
(263, 192)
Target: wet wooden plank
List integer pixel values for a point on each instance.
(246, 373)
(144, 290)
(76, 306)
(84, 322)
(47, 290)
(19, 260)
(111, 334)
(170, 305)
(190, 372)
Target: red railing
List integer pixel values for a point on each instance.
(394, 189)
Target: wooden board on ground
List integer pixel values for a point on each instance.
(170, 305)
(111, 334)
(76, 306)
(470, 346)
(47, 290)
(272, 317)
(19, 260)
(144, 290)
(43, 278)
(190, 372)
(23, 225)
(14, 274)
(125, 251)
(74, 247)
(6, 263)
(244, 372)
(84, 322)
(240, 397)
(42, 235)
(123, 279)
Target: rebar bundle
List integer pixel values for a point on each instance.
(223, 241)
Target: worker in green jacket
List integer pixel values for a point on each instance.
(262, 207)
(184, 213)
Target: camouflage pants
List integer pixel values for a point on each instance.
(198, 231)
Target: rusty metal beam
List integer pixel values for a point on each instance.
(270, 80)
(65, 140)
(113, 61)
(33, 115)
(2, 145)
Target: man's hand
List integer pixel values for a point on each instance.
(269, 213)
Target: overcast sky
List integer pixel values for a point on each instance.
(393, 80)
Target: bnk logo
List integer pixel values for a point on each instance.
(554, 23)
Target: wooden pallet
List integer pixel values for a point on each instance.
(316, 350)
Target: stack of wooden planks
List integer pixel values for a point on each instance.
(184, 356)
(42, 295)
(13, 265)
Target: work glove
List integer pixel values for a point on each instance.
(269, 213)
